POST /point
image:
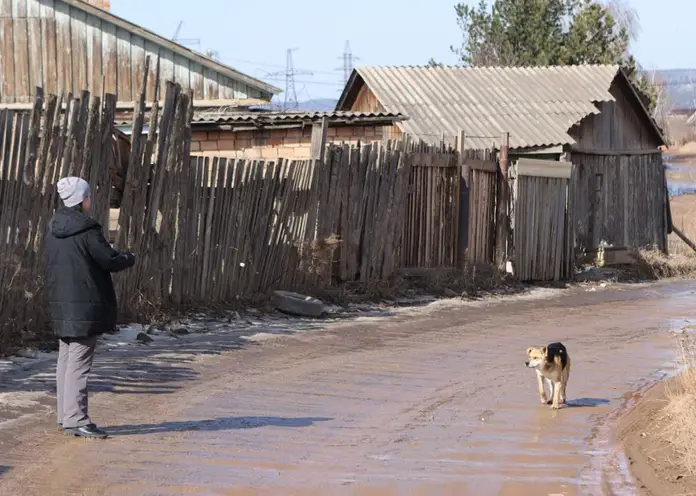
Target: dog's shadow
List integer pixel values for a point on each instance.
(587, 402)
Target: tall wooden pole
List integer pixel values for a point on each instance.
(502, 204)
(463, 206)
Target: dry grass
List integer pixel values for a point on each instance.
(655, 265)
(679, 414)
(683, 217)
(474, 281)
(24, 319)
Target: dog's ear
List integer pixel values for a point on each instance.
(529, 350)
(544, 351)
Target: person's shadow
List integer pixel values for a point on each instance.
(218, 424)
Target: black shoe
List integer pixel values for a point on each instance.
(89, 431)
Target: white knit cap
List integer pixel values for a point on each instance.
(73, 190)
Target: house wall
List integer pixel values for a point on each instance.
(620, 125)
(275, 143)
(367, 101)
(61, 48)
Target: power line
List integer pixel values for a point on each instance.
(273, 66)
(321, 83)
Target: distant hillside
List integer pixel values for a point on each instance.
(681, 87)
(317, 105)
(320, 104)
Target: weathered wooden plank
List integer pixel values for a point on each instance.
(6, 9)
(226, 88)
(110, 64)
(152, 51)
(64, 55)
(93, 36)
(210, 84)
(197, 80)
(48, 48)
(21, 55)
(544, 168)
(167, 65)
(137, 62)
(125, 84)
(36, 73)
(182, 72)
(19, 9)
(7, 59)
(78, 32)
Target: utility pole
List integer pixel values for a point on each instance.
(348, 60)
(290, 102)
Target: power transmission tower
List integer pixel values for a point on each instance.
(348, 60)
(290, 102)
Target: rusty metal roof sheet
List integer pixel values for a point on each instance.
(536, 105)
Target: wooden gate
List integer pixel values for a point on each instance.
(431, 230)
(483, 169)
(542, 238)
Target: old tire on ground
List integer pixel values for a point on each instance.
(297, 304)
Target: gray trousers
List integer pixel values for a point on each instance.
(75, 357)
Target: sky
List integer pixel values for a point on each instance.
(254, 36)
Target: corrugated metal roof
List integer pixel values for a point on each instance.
(537, 105)
(261, 119)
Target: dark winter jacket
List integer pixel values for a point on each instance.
(79, 262)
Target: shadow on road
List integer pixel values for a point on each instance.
(155, 369)
(588, 402)
(3, 470)
(212, 425)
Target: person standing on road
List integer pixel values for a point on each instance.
(81, 297)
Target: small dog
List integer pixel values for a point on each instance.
(552, 363)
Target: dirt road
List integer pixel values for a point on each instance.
(427, 402)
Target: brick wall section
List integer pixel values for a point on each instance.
(276, 143)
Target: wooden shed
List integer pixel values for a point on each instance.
(591, 115)
(67, 46)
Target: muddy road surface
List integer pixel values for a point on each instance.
(430, 401)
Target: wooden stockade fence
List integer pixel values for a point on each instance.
(432, 221)
(542, 241)
(57, 138)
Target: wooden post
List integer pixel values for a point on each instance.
(503, 202)
(463, 207)
(319, 140)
